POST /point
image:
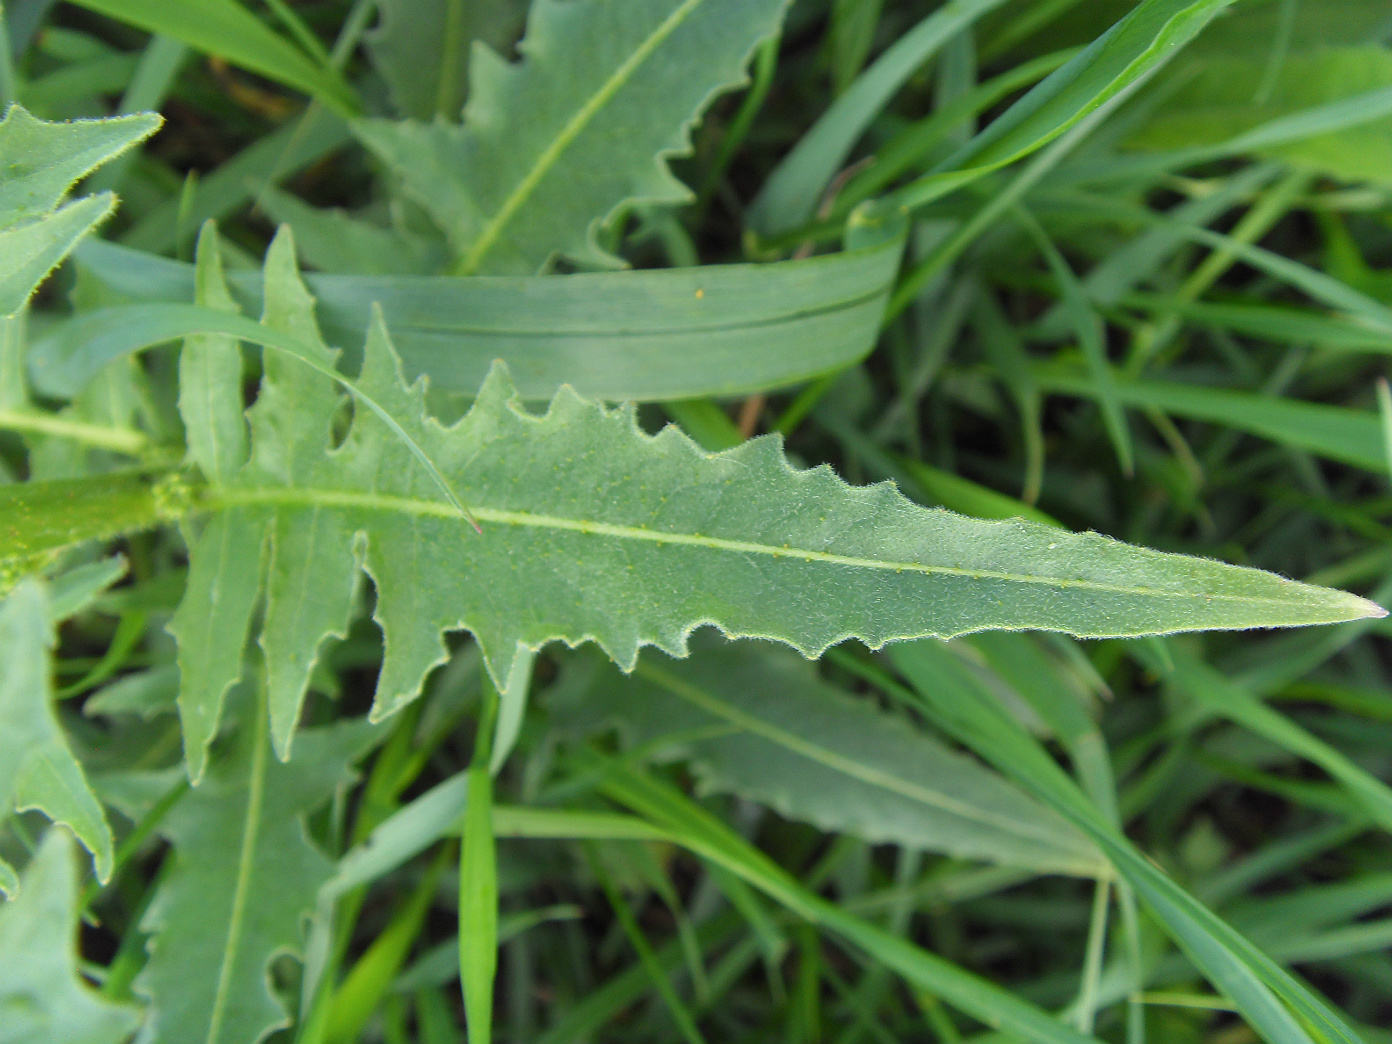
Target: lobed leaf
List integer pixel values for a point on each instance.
(756, 720)
(39, 163)
(37, 766)
(558, 144)
(596, 531)
(243, 879)
(43, 997)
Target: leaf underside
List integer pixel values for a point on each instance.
(757, 721)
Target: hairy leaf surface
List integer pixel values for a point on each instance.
(594, 530)
(37, 766)
(757, 721)
(244, 877)
(556, 144)
(422, 49)
(39, 162)
(43, 999)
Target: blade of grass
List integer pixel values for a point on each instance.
(228, 30)
(1091, 334)
(478, 882)
(790, 196)
(656, 976)
(1274, 1003)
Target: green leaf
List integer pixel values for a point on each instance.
(422, 49)
(37, 766)
(1276, 1004)
(1223, 97)
(244, 878)
(1335, 432)
(581, 500)
(755, 720)
(227, 29)
(647, 335)
(210, 376)
(42, 995)
(561, 143)
(790, 196)
(1132, 50)
(39, 163)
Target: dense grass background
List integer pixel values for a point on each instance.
(1084, 354)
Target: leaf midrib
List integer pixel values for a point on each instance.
(230, 496)
(246, 857)
(493, 228)
(713, 704)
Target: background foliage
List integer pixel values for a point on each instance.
(1101, 265)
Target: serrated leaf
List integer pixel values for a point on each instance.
(422, 49)
(594, 530)
(39, 163)
(210, 375)
(334, 241)
(554, 146)
(756, 720)
(244, 878)
(43, 999)
(37, 767)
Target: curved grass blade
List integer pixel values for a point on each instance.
(791, 194)
(1117, 62)
(227, 29)
(716, 330)
(1276, 1004)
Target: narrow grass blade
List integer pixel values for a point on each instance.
(1274, 1002)
(227, 29)
(790, 195)
(478, 883)
(1091, 334)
